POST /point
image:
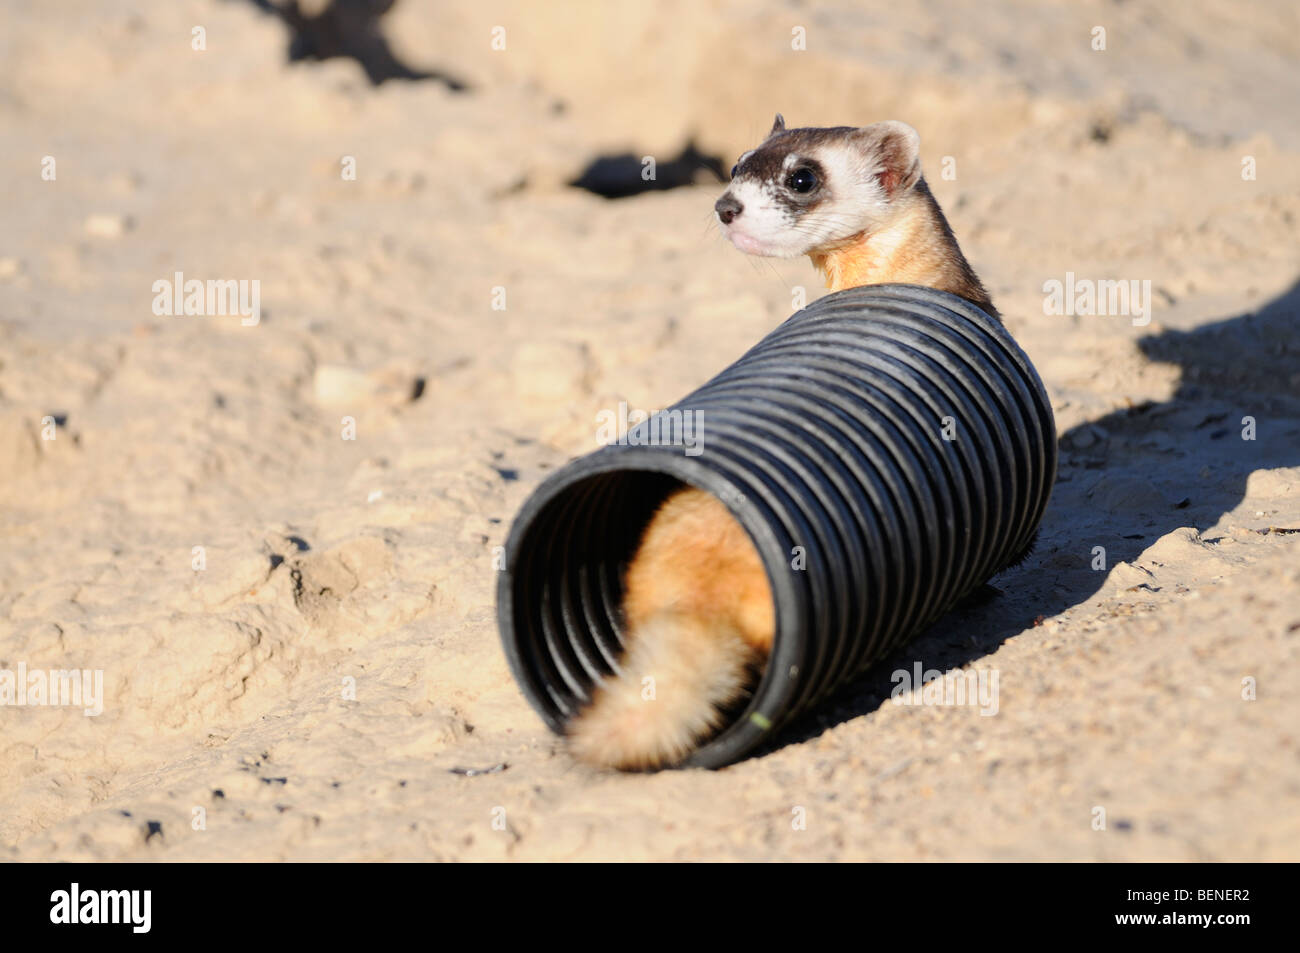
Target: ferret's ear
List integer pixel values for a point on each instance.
(896, 149)
(778, 126)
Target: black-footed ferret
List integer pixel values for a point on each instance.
(698, 613)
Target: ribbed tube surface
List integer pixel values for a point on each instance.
(888, 449)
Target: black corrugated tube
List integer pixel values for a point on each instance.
(887, 448)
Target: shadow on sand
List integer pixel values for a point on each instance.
(1125, 480)
(348, 28)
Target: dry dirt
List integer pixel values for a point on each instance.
(311, 691)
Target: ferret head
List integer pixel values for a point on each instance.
(803, 191)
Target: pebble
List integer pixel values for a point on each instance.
(108, 226)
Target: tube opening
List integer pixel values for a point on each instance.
(562, 593)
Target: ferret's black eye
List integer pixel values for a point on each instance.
(734, 168)
(802, 180)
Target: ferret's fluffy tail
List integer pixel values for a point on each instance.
(679, 674)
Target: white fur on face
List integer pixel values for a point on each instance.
(764, 227)
(850, 201)
(857, 200)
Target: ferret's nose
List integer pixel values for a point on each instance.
(728, 208)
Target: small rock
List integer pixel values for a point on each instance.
(108, 226)
(1159, 441)
(336, 385)
(1126, 576)
(1082, 438)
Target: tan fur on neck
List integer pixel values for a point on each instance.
(915, 246)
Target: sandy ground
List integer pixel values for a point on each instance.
(231, 728)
